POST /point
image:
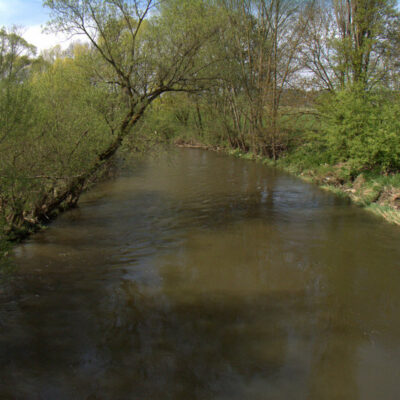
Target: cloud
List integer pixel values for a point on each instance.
(29, 16)
(34, 35)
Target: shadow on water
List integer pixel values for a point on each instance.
(205, 277)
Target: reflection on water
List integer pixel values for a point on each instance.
(198, 276)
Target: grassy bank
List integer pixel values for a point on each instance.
(375, 192)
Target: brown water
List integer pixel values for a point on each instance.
(199, 276)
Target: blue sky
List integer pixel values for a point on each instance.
(22, 12)
(31, 17)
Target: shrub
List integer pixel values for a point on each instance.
(362, 128)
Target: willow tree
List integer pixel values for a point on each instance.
(16, 108)
(15, 61)
(139, 51)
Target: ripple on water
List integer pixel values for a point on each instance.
(199, 276)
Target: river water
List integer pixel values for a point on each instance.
(199, 276)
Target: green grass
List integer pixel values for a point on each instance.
(388, 213)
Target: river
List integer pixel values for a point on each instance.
(199, 276)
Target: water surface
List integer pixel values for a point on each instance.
(199, 276)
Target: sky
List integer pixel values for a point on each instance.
(31, 17)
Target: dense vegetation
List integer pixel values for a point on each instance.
(308, 83)
(64, 114)
(319, 78)
(313, 86)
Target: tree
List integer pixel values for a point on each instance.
(57, 132)
(15, 54)
(263, 42)
(352, 42)
(15, 62)
(135, 57)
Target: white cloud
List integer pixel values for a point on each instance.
(35, 35)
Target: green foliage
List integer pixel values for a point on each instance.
(53, 125)
(362, 128)
(183, 117)
(15, 55)
(169, 117)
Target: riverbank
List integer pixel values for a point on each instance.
(28, 224)
(379, 194)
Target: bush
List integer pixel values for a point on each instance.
(362, 128)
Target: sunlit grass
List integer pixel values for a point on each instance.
(390, 214)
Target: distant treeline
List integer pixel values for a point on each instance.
(311, 80)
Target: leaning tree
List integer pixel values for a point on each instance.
(140, 49)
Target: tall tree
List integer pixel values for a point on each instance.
(265, 37)
(351, 42)
(141, 51)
